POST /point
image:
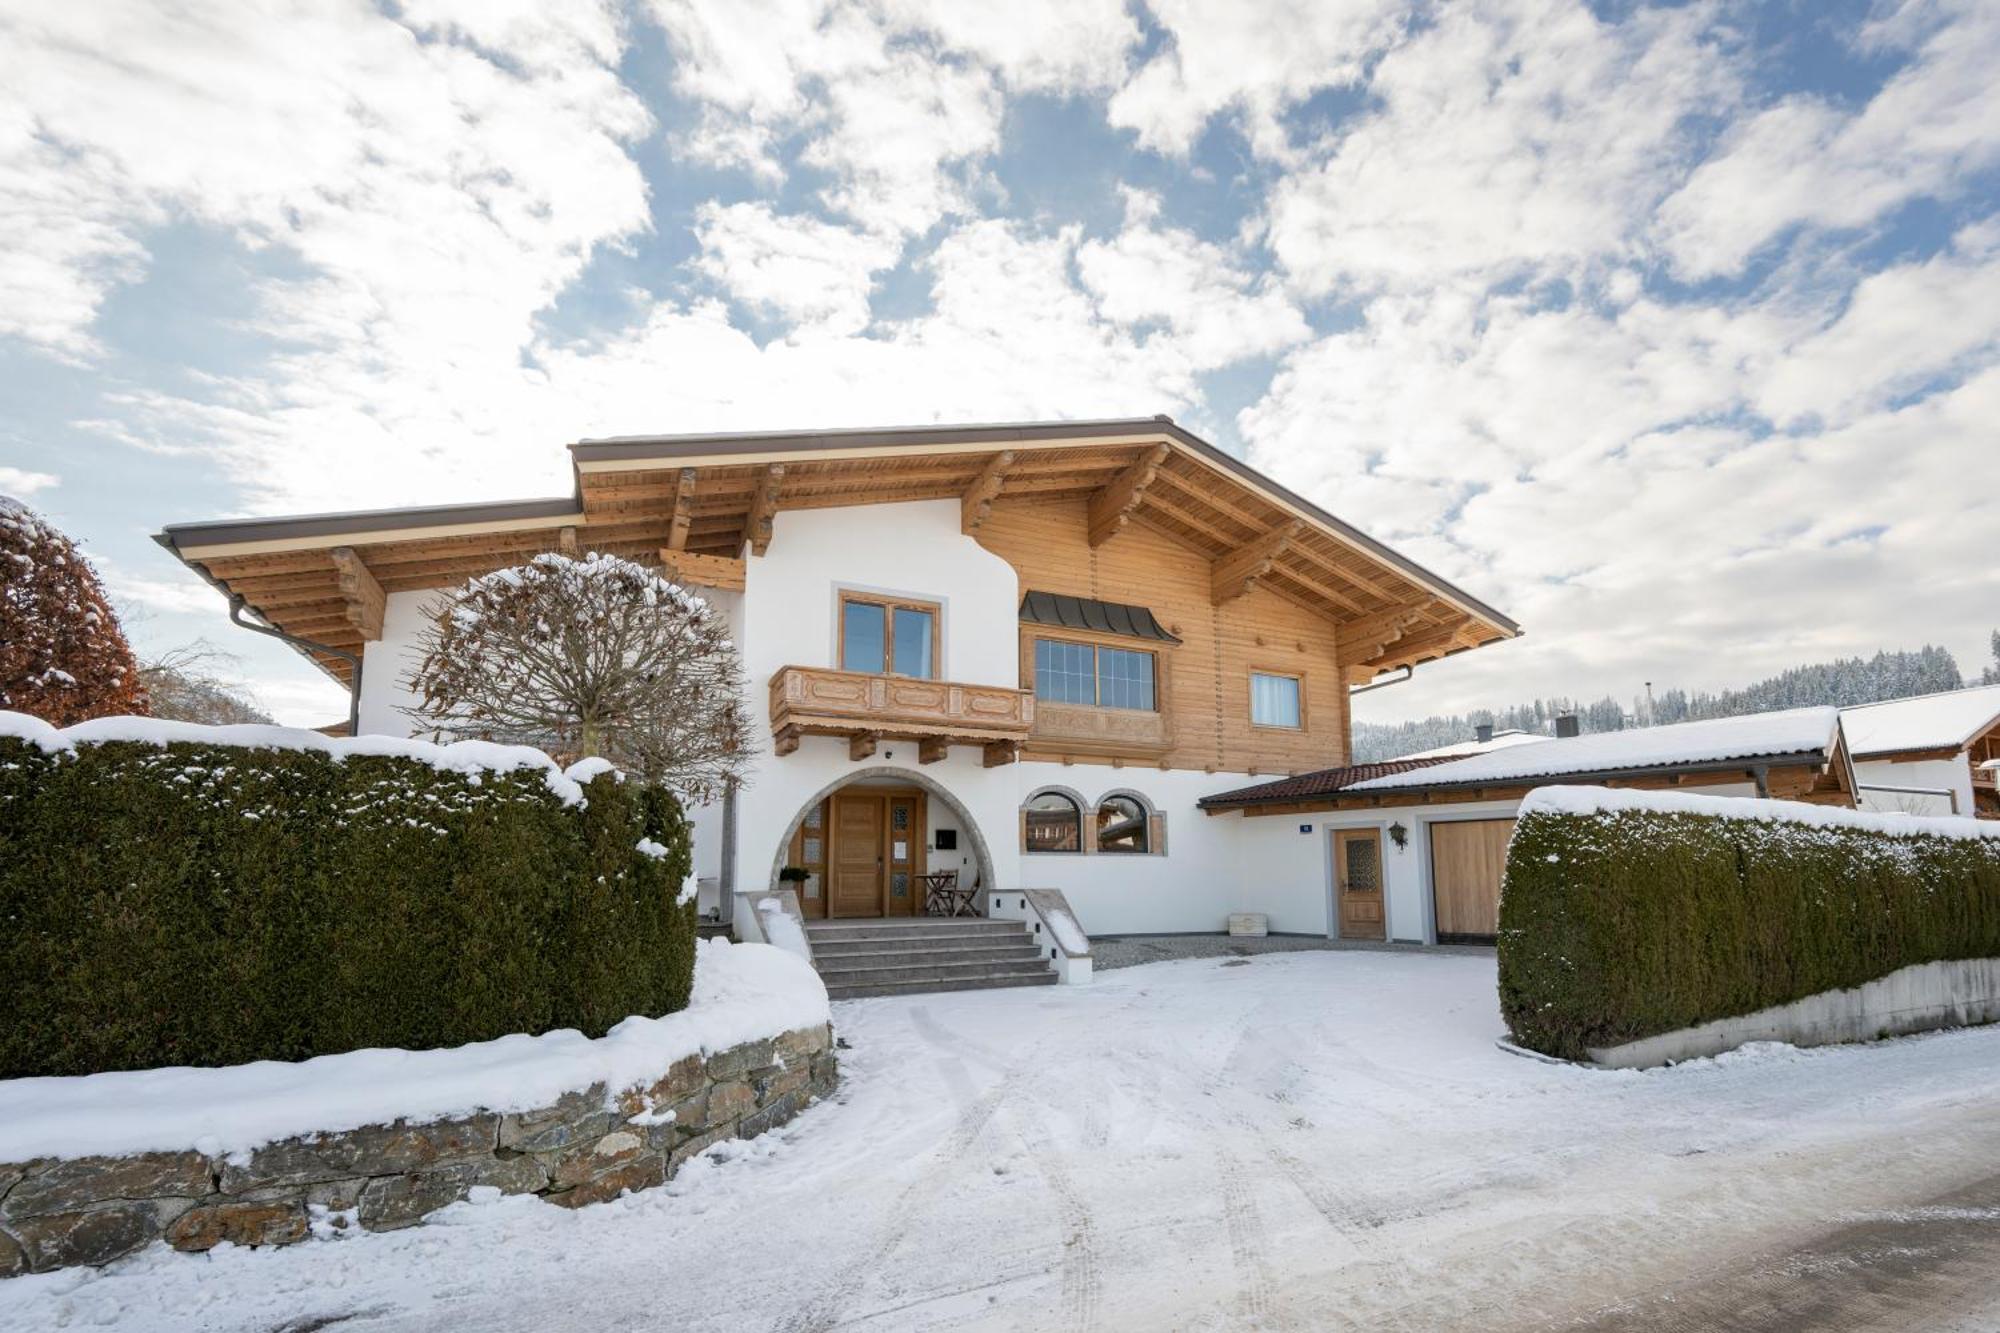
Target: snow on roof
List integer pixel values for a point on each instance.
(1713, 740)
(1502, 740)
(1946, 721)
(1596, 800)
(467, 757)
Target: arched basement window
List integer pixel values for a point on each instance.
(1121, 825)
(1051, 822)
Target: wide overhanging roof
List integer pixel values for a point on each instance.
(322, 576)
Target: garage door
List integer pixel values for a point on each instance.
(1467, 859)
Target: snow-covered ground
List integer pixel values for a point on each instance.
(1298, 1140)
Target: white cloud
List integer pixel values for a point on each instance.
(1256, 58)
(17, 481)
(441, 191)
(1214, 304)
(893, 123)
(1519, 138)
(797, 267)
(1806, 161)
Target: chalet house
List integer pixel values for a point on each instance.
(1020, 654)
(1418, 845)
(1934, 754)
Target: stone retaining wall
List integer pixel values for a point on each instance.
(64, 1212)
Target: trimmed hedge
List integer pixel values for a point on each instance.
(1624, 924)
(201, 904)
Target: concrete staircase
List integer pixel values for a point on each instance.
(890, 957)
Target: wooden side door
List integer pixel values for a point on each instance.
(1357, 862)
(1468, 861)
(855, 871)
(905, 856)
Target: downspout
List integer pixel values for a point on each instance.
(236, 605)
(1408, 672)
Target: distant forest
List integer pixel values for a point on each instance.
(1843, 683)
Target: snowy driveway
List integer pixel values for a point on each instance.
(1303, 1140)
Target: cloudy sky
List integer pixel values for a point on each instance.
(1673, 330)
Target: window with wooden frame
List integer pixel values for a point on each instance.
(1051, 822)
(1069, 672)
(889, 636)
(1277, 700)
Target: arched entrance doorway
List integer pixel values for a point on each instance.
(866, 842)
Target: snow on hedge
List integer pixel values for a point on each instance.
(1793, 731)
(1604, 800)
(742, 993)
(471, 758)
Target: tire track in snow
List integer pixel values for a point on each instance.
(1082, 1282)
(1248, 1246)
(825, 1311)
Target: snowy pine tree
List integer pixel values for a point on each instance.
(63, 656)
(598, 656)
(1991, 675)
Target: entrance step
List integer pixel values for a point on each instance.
(889, 957)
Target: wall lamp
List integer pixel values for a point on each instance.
(1399, 835)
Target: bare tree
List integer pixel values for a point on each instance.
(592, 656)
(194, 683)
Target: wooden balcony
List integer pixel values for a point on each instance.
(937, 714)
(1125, 733)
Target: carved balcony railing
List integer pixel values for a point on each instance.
(937, 714)
(1116, 732)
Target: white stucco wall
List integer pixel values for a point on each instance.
(386, 661)
(1948, 774)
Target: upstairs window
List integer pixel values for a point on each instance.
(1274, 701)
(883, 636)
(1079, 673)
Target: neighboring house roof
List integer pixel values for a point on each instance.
(1795, 734)
(1951, 720)
(1305, 786)
(1502, 740)
(1087, 613)
(322, 576)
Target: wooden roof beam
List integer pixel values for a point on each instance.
(1238, 572)
(366, 602)
(705, 571)
(677, 532)
(977, 502)
(1112, 506)
(1368, 638)
(764, 507)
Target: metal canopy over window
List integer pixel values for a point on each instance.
(1087, 613)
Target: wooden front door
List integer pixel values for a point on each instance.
(856, 870)
(1468, 861)
(1357, 861)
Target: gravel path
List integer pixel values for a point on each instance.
(1114, 951)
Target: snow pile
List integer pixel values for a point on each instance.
(780, 929)
(473, 759)
(1603, 800)
(1067, 932)
(1794, 731)
(1946, 721)
(742, 992)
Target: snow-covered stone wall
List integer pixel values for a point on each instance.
(94, 1167)
(584, 1147)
